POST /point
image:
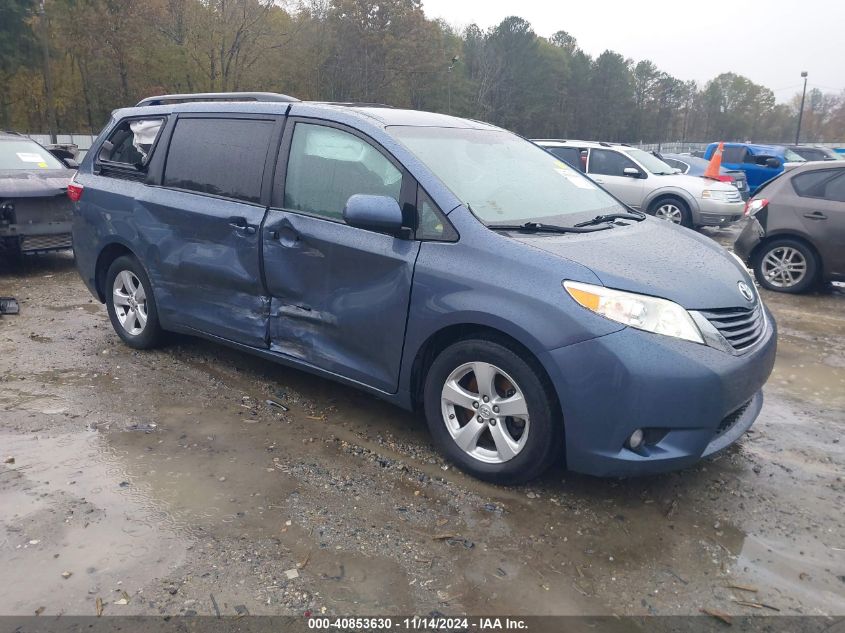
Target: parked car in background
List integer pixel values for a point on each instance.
(796, 233)
(814, 152)
(643, 181)
(439, 263)
(694, 166)
(759, 162)
(35, 214)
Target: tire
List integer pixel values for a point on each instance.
(786, 265)
(672, 209)
(135, 316)
(505, 449)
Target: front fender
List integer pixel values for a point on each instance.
(683, 194)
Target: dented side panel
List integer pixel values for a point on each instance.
(339, 296)
(203, 259)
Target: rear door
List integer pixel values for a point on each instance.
(339, 295)
(821, 207)
(607, 167)
(202, 226)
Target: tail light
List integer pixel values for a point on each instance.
(754, 206)
(74, 191)
(724, 178)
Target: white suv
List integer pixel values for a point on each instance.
(643, 181)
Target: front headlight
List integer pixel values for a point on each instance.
(718, 194)
(638, 311)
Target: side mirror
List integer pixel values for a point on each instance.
(70, 163)
(374, 213)
(772, 162)
(632, 172)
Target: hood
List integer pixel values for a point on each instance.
(34, 183)
(656, 258)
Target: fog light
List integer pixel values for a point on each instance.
(636, 439)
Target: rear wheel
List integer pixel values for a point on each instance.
(674, 210)
(786, 265)
(131, 304)
(491, 412)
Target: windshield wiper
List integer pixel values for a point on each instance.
(536, 227)
(609, 217)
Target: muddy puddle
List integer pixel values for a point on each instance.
(167, 476)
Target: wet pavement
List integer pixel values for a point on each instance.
(164, 483)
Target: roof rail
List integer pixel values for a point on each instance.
(356, 104)
(215, 96)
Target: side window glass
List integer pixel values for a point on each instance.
(812, 184)
(835, 188)
(221, 157)
(327, 166)
(431, 223)
(570, 155)
(733, 155)
(608, 163)
(131, 142)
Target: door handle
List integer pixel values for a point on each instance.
(240, 223)
(598, 180)
(815, 215)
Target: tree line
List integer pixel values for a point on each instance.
(66, 64)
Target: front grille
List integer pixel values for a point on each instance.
(30, 243)
(741, 327)
(729, 420)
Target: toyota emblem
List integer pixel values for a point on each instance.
(745, 291)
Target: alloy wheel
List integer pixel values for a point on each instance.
(130, 302)
(784, 266)
(485, 412)
(669, 211)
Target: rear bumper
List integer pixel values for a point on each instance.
(748, 239)
(715, 213)
(691, 399)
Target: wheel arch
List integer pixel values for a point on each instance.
(670, 192)
(788, 235)
(107, 255)
(447, 335)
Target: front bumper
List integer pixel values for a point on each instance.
(717, 213)
(692, 400)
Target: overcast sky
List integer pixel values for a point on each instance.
(768, 41)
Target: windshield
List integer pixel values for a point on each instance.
(26, 154)
(503, 178)
(791, 157)
(650, 162)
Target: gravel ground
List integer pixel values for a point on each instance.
(163, 483)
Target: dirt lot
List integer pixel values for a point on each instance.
(156, 480)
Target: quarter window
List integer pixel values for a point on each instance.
(609, 163)
(431, 223)
(221, 157)
(327, 166)
(733, 155)
(131, 142)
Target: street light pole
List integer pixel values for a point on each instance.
(801, 111)
(451, 66)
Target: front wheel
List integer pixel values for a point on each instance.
(491, 412)
(131, 305)
(672, 209)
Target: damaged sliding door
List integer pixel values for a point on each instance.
(339, 294)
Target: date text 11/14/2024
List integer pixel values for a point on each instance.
(416, 624)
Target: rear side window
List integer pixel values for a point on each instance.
(828, 184)
(130, 143)
(221, 157)
(609, 163)
(733, 155)
(569, 155)
(327, 166)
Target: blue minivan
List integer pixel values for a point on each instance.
(760, 163)
(442, 264)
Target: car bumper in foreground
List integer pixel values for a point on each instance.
(716, 213)
(691, 400)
